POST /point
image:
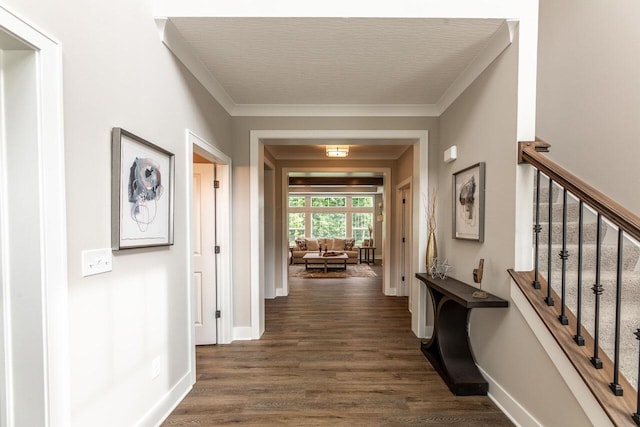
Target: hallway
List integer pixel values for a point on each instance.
(335, 352)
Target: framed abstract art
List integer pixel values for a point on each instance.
(142, 187)
(468, 203)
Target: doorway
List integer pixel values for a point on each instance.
(203, 249)
(257, 140)
(404, 209)
(34, 372)
(269, 230)
(209, 224)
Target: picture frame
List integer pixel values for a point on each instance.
(142, 192)
(468, 203)
(365, 243)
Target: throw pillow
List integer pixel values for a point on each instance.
(348, 244)
(338, 245)
(301, 243)
(312, 244)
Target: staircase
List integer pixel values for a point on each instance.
(591, 305)
(630, 309)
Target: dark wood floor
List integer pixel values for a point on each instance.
(335, 352)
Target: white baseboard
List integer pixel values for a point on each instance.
(165, 406)
(280, 292)
(242, 333)
(511, 408)
(567, 371)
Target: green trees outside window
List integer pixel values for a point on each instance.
(328, 225)
(328, 202)
(362, 202)
(360, 226)
(297, 202)
(296, 226)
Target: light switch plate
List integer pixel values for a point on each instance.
(96, 261)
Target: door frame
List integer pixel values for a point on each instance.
(270, 273)
(53, 350)
(257, 139)
(406, 184)
(223, 239)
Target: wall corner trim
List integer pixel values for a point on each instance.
(500, 40)
(180, 48)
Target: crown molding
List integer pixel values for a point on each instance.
(171, 37)
(180, 48)
(336, 110)
(500, 40)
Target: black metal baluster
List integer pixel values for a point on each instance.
(578, 338)
(548, 299)
(636, 415)
(537, 228)
(597, 291)
(564, 255)
(615, 387)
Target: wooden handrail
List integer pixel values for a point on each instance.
(531, 152)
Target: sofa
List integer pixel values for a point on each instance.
(304, 246)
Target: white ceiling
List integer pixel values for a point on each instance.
(357, 150)
(342, 66)
(333, 61)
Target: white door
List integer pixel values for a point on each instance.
(406, 242)
(204, 258)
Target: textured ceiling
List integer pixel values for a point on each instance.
(318, 152)
(335, 61)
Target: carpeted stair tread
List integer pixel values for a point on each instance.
(589, 232)
(630, 297)
(609, 256)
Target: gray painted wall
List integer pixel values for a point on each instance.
(482, 123)
(588, 92)
(118, 73)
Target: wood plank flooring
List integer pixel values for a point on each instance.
(335, 352)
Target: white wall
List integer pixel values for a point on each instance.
(482, 123)
(118, 73)
(588, 92)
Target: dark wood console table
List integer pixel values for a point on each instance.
(448, 348)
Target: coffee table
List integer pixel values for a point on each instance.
(314, 258)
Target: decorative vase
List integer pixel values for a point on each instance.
(432, 250)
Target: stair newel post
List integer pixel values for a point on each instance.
(564, 255)
(615, 387)
(597, 291)
(578, 338)
(636, 415)
(549, 299)
(537, 229)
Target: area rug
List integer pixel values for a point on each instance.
(353, 270)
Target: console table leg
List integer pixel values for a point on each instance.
(449, 351)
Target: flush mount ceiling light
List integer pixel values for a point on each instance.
(337, 150)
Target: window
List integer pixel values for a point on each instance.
(362, 202)
(326, 202)
(330, 215)
(296, 202)
(296, 227)
(360, 226)
(328, 225)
